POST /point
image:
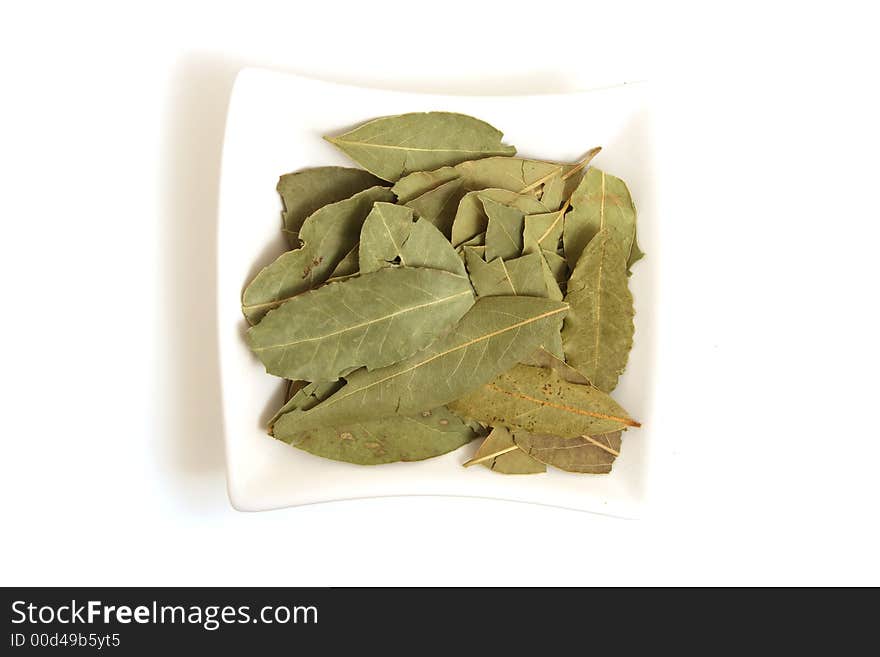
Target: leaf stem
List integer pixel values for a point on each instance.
(593, 152)
(559, 216)
(608, 449)
(540, 181)
(490, 456)
(568, 174)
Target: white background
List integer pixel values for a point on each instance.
(111, 119)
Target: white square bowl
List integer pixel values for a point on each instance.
(275, 125)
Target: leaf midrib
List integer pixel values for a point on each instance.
(363, 324)
(599, 278)
(339, 397)
(562, 407)
(421, 150)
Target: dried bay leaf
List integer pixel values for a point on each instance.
(293, 387)
(601, 201)
(547, 360)
(517, 176)
(383, 234)
(518, 276)
(329, 235)
(585, 454)
(304, 192)
(347, 267)
(504, 234)
(523, 276)
(426, 247)
(387, 440)
(471, 218)
(394, 146)
(540, 401)
(635, 253)
(419, 182)
(478, 428)
(512, 173)
(372, 320)
(390, 237)
(558, 189)
(477, 242)
(439, 205)
(507, 174)
(306, 397)
(550, 279)
(597, 334)
(542, 232)
(492, 336)
(393, 380)
(499, 453)
(558, 267)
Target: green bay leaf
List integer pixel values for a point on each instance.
(539, 400)
(499, 453)
(304, 192)
(372, 320)
(329, 235)
(492, 336)
(394, 146)
(597, 334)
(387, 440)
(584, 454)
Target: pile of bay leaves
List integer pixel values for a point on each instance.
(449, 291)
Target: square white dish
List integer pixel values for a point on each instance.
(274, 125)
